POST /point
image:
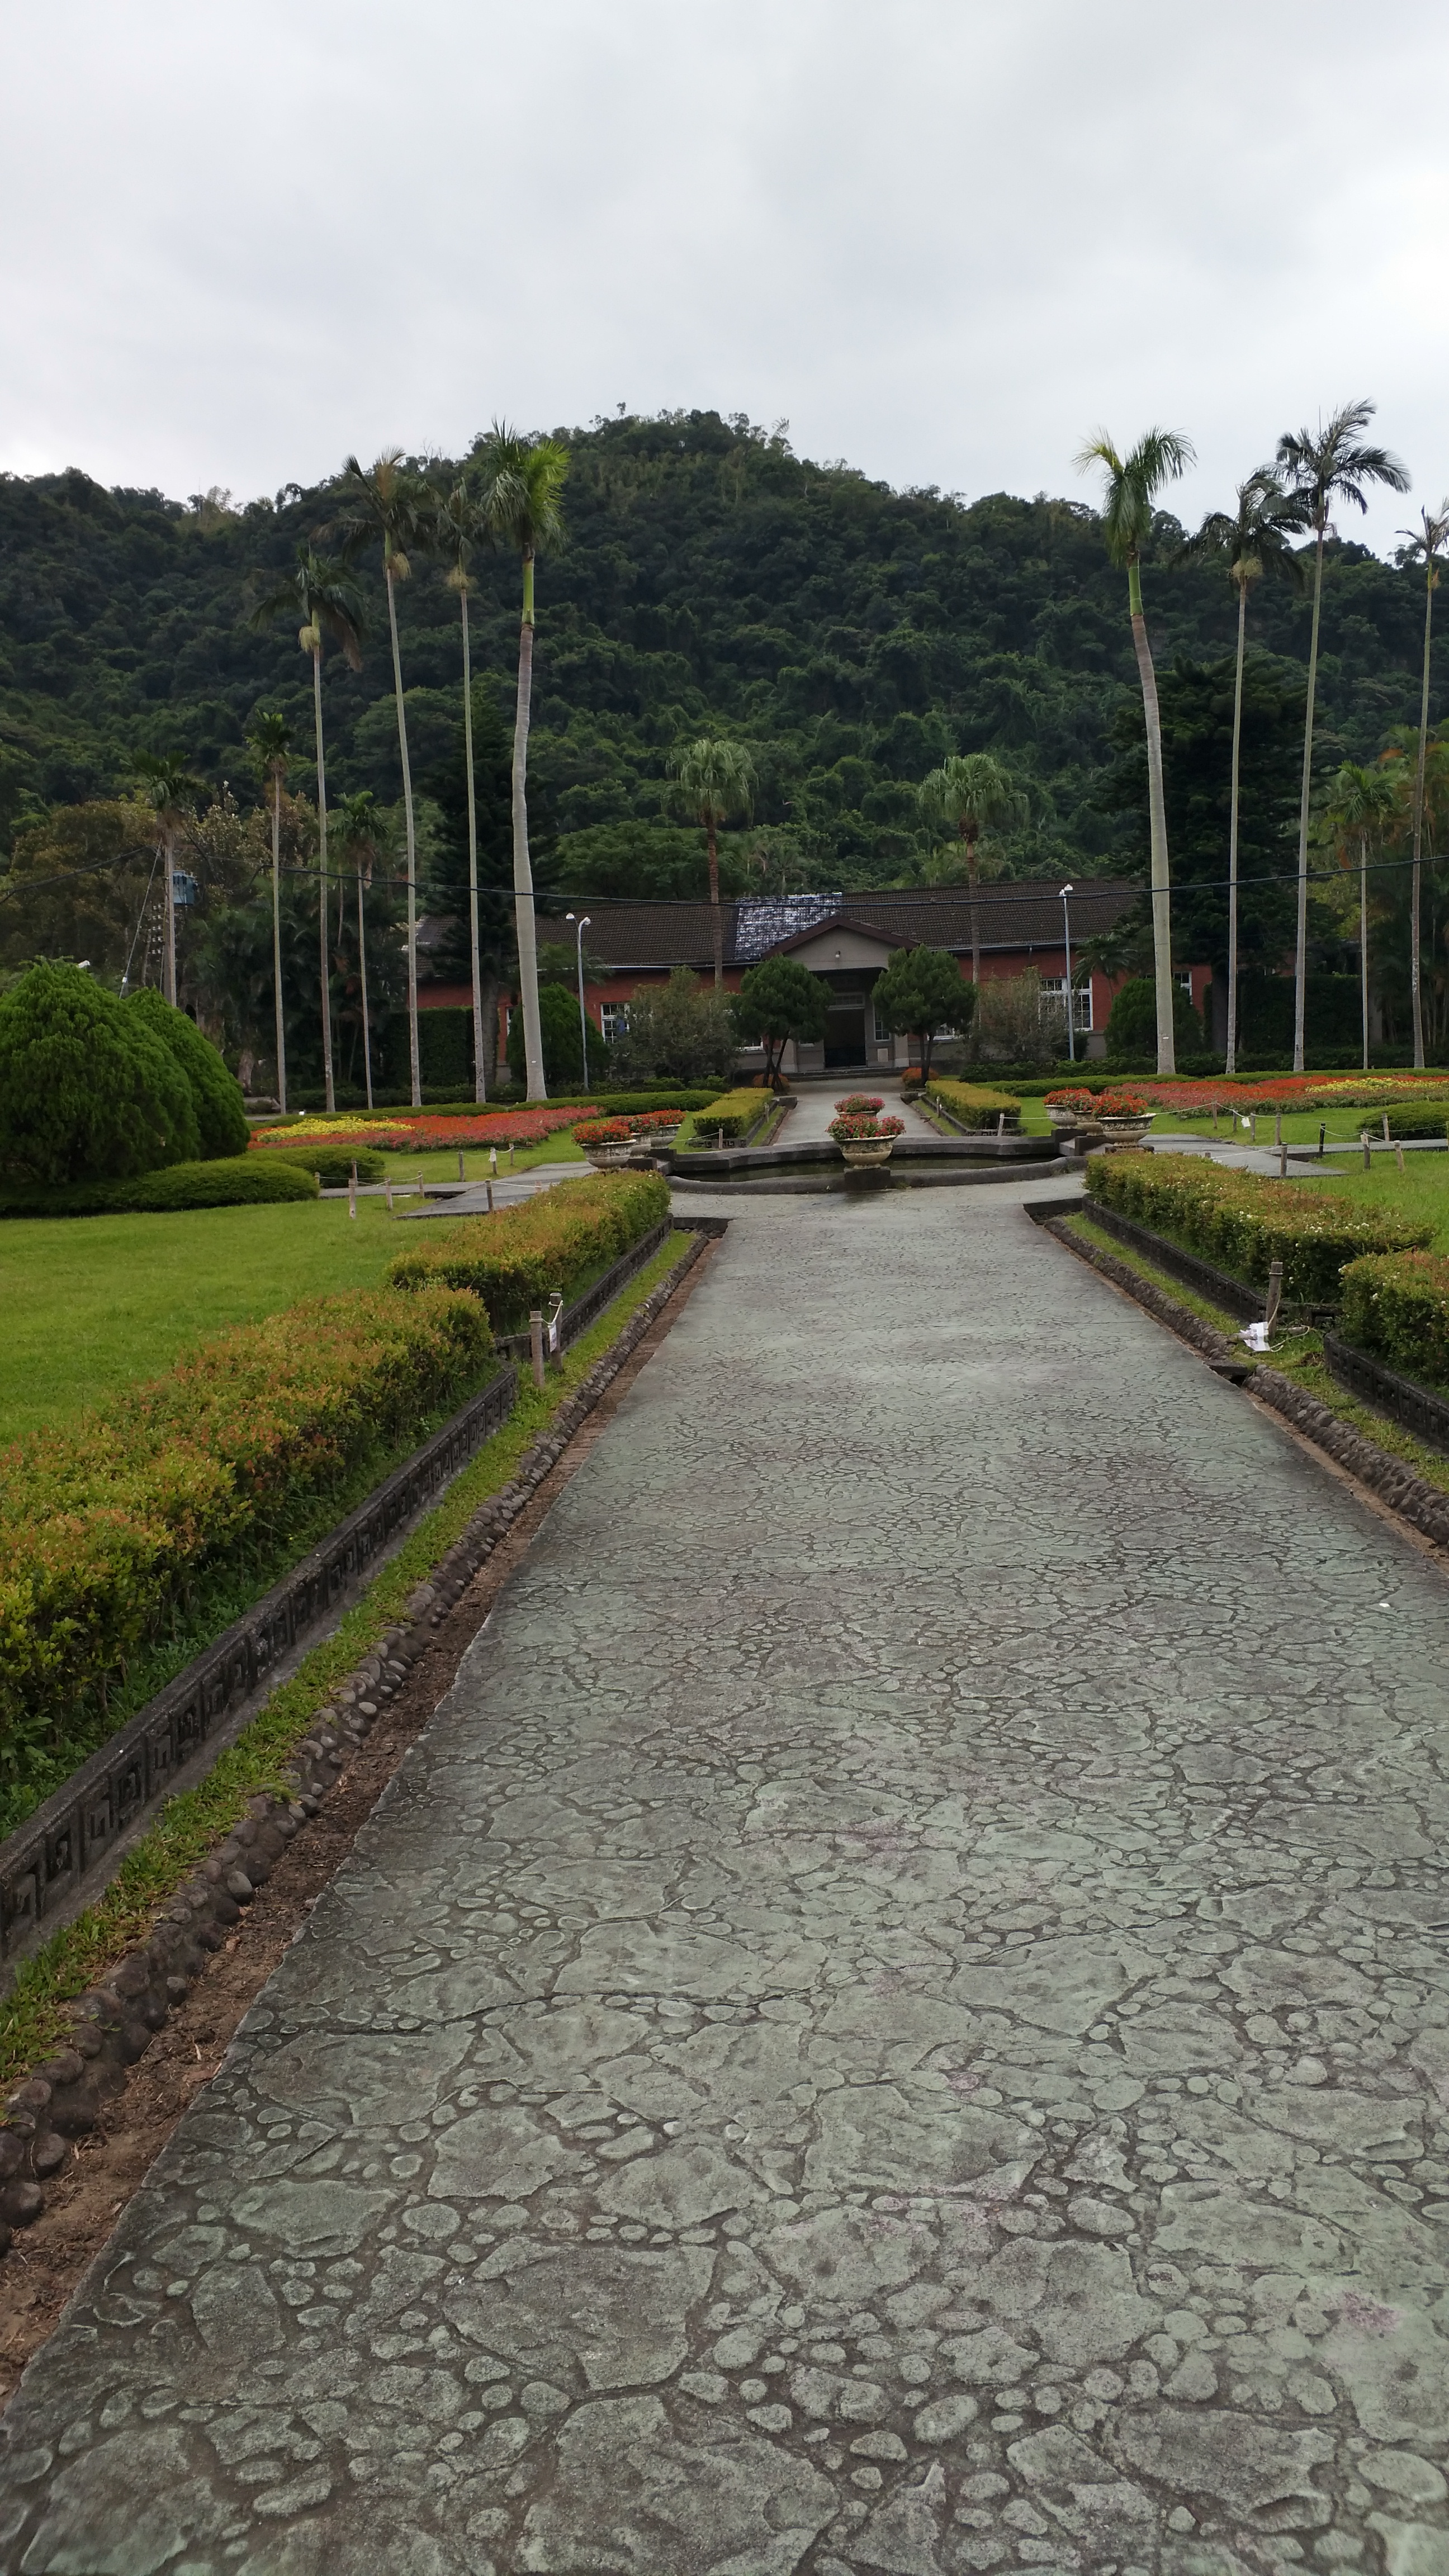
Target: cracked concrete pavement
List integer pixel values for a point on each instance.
(896, 2019)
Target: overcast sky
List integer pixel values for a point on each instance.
(944, 239)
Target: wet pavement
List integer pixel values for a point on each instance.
(897, 2018)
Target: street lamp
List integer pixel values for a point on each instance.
(583, 1015)
(1071, 1021)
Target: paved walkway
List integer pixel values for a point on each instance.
(893, 2021)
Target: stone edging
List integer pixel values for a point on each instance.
(1387, 1478)
(115, 2023)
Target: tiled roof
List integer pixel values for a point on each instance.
(1009, 915)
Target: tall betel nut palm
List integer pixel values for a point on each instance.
(521, 484)
(1425, 545)
(972, 792)
(327, 599)
(459, 527)
(1252, 539)
(270, 740)
(714, 779)
(1129, 507)
(1323, 466)
(162, 783)
(384, 503)
(1362, 806)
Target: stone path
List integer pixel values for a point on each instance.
(894, 2021)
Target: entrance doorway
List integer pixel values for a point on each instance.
(845, 1033)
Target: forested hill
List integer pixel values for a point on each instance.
(853, 634)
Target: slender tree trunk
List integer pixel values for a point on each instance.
(1300, 958)
(362, 973)
(973, 881)
(716, 916)
(169, 862)
(537, 1088)
(1416, 874)
(277, 937)
(491, 988)
(1230, 1064)
(1365, 939)
(480, 1079)
(331, 1094)
(1157, 817)
(407, 779)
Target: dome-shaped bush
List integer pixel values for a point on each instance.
(221, 1120)
(87, 1090)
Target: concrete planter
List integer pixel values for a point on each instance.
(873, 1149)
(1126, 1131)
(611, 1158)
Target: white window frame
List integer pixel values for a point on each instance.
(613, 1021)
(1054, 990)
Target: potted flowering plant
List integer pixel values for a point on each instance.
(865, 1138)
(1125, 1116)
(1070, 1108)
(656, 1126)
(860, 1104)
(606, 1141)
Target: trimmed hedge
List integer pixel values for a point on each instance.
(106, 1529)
(1243, 1222)
(249, 1180)
(562, 1238)
(735, 1113)
(332, 1164)
(1396, 1305)
(972, 1104)
(221, 1117)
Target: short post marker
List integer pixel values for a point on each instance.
(1363, 1140)
(1387, 1138)
(352, 1195)
(388, 1187)
(535, 1343)
(461, 1174)
(1322, 1134)
(1282, 1160)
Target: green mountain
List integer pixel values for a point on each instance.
(855, 635)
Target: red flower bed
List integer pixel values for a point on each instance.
(415, 1132)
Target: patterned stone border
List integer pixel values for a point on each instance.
(1389, 1479)
(115, 2023)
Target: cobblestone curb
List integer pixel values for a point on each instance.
(116, 2022)
(1393, 1483)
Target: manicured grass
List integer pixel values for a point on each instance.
(33, 2017)
(92, 1304)
(1420, 1192)
(443, 1166)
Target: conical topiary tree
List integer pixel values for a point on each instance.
(88, 1091)
(221, 1119)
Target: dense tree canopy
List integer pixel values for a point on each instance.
(853, 637)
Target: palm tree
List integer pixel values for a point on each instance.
(1251, 540)
(1132, 485)
(357, 832)
(271, 743)
(521, 501)
(1323, 466)
(972, 791)
(1425, 545)
(327, 598)
(385, 502)
(714, 779)
(459, 527)
(1362, 804)
(163, 784)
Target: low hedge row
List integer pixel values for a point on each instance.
(731, 1116)
(514, 1261)
(1243, 1222)
(332, 1165)
(237, 1181)
(1396, 1305)
(107, 1529)
(972, 1104)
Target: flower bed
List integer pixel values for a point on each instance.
(1246, 1092)
(1244, 1223)
(106, 1529)
(860, 1104)
(416, 1132)
(515, 1260)
(1396, 1305)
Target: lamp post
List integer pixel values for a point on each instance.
(1071, 1020)
(583, 1014)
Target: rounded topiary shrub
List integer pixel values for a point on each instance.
(331, 1164)
(87, 1089)
(1132, 1024)
(221, 1119)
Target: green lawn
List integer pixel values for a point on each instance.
(94, 1303)
(443, 1166)
(1422, 1194)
